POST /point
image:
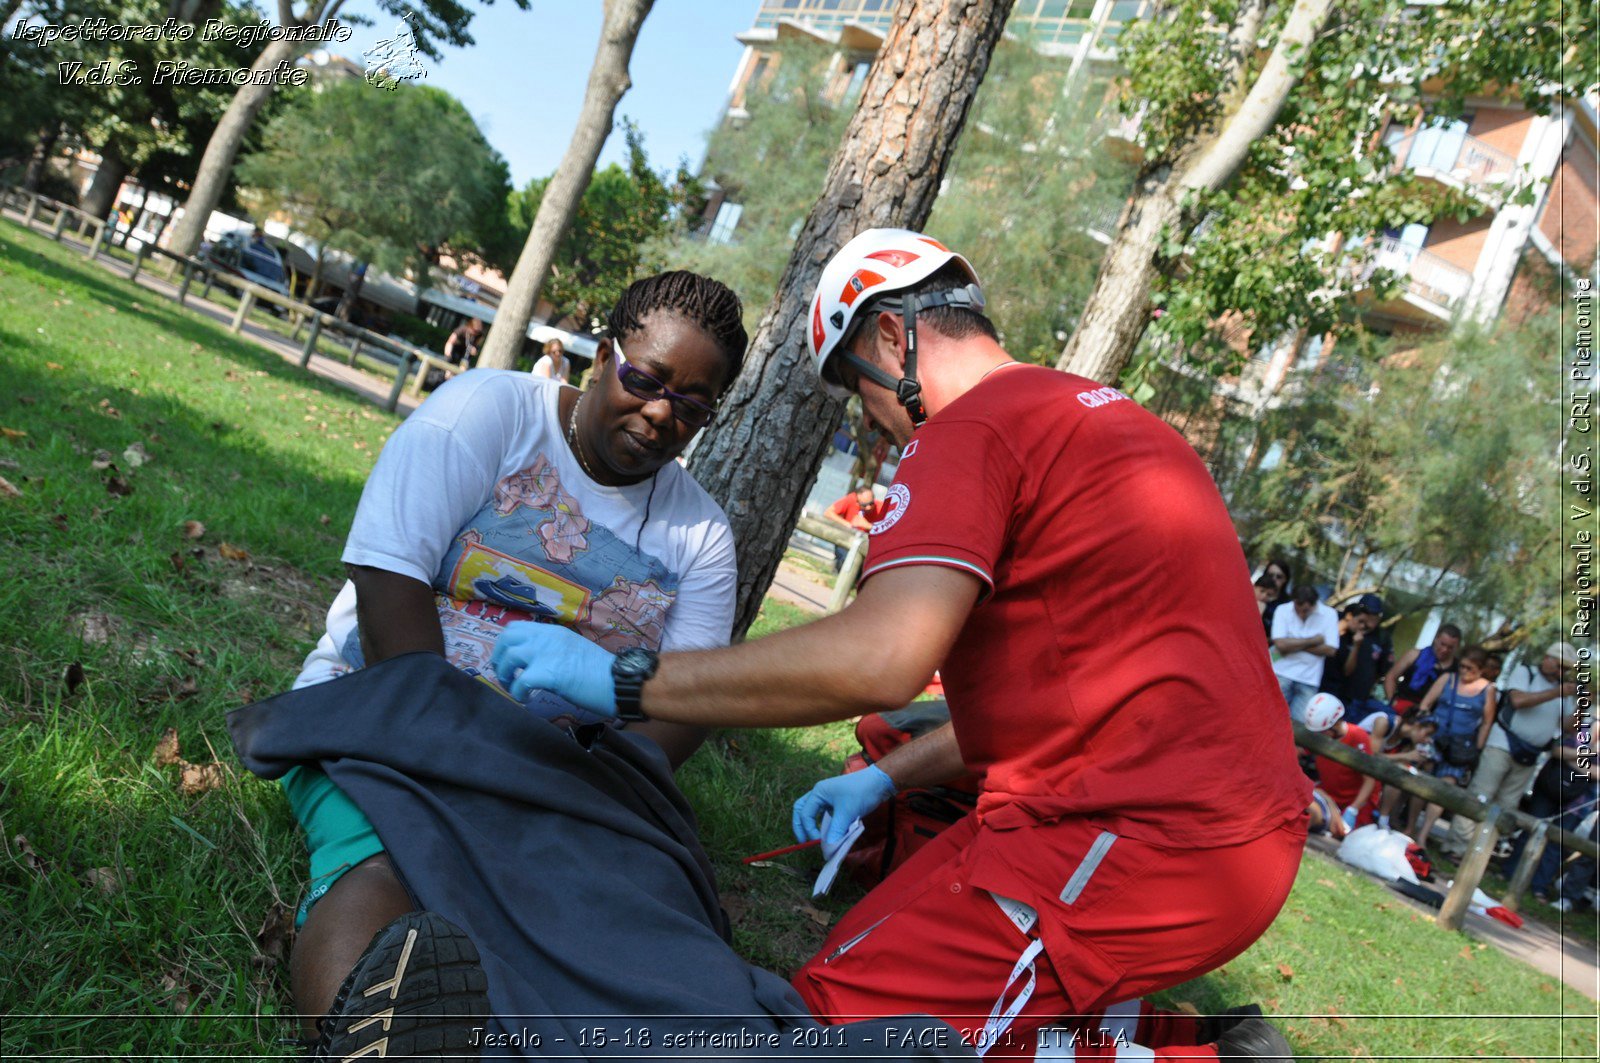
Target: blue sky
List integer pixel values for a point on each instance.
(524, 79)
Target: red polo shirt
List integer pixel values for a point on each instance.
(1117, 619)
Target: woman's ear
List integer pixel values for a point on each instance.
(602, 355)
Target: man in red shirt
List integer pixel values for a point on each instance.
(1355, 794)
(1117, 848)
(858, 510)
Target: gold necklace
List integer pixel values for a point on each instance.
(572, 439)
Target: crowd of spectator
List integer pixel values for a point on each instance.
(1515, 739)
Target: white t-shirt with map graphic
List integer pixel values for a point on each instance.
(478, 495)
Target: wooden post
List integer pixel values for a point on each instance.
(138, 260)
(188, 279)
(61, 221)
(1454, 910)
(355, 349)
(400, 374)
(31, 213)
(1532, 850)
(421, 377)
(311, 340)
(246, 301)
(211, 276)
(83, 225)
(98, 241)
(848, 573)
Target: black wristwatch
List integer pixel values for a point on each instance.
(629, 671)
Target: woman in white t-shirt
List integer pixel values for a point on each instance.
(553, 363)
(505, 497)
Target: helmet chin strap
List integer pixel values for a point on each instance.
(908, 389)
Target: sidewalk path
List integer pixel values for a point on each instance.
(367, 385)
(802, 589)
(1572, 960)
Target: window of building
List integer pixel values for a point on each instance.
(726, 221)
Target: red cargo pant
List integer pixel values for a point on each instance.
(1103, 919)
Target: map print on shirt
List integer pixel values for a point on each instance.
(530, 554)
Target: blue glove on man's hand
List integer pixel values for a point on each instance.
(531, 656)
(847, 798)
(1350, 815)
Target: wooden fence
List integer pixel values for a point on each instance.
(409, 362)
(1492, 821)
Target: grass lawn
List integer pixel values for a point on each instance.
(133, 893)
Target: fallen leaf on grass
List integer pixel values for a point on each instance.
(167, 748)
(13, 433)
(60, 521)
(10, 463)
(275, 935)
(118, 486)
(1466, 952)
(193, 529)
(54, 365)
(177, 561)
(197, 779)
(32, 860)
(1286, 971)
(233, 553)
(815, 914)
(324, 519)
(736, 907)
(101, 460)
(103, 879)
(180, 993)
(8, 489)
(94, 628)
(185, 688)
(74, 677)
(136, 455)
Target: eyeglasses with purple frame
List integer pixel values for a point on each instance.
(641, 385)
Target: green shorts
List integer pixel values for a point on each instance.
(338, 835)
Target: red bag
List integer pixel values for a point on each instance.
(913, 818)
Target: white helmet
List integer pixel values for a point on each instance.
(874, 264)
(1323, 711)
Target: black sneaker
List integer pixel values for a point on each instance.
(418, 992)
(1254, 1038)
(1212, 1027)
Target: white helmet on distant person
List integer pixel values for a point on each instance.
(866, 272)
(1323, 711)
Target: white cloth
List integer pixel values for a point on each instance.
(545, 368)
(478, 495)
(1304, 667)
(1536, 725)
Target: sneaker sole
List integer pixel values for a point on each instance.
(417, 992)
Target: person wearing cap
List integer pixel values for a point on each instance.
(1538, 698)
(1116, 849)
(1360, 658)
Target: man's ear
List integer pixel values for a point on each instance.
(889, 343)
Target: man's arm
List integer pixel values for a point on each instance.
(1488, 717)
(396, 614)
(832, 513)
(1527, 699)
(897, 632)
(1353, 654)
(929, 760)
(1296, 645)
(1391, 678)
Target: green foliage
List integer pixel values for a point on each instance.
(1256, 254)
(157, 130)
(1031, 140)
(390, 177)
(1440, 456)
(1026, 183)
(625, 210)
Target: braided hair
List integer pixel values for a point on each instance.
(709, 305)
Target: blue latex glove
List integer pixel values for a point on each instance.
(531, 656)
(1350, 818)
(847, 798)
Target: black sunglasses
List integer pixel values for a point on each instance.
(641, 385)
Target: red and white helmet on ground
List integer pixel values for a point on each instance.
(875, 263)
(1323, 711)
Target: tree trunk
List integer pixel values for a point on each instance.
(217, 163)
(608, 80)
(40, 162)
(102, 194)
(1117, 312)
(776, 425)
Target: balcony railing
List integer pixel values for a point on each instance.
(1464, 158)
(1427, 276)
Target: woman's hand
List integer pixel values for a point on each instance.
(531, 656)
